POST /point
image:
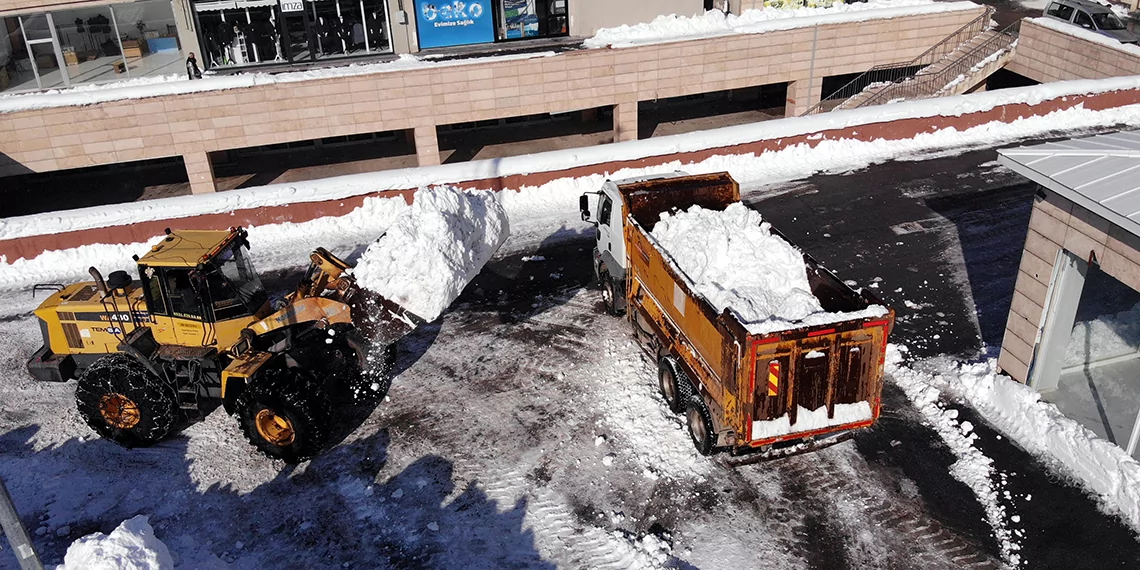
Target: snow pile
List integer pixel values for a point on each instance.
(786, 164)
(716, 23)
(430, 253)
(1077, 31)
(1104, 337)
(807, 420)
(131, 546)
(973, 467)
(732, 259)
(1040, 428)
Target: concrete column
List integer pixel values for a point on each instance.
(201, 172)
(1062, 299)
(802, 95)
(427, 146)
(187, 32)
(625, 121)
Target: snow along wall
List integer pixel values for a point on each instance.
(29, 236)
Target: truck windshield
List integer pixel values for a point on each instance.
(1107, 22)
(237, 279)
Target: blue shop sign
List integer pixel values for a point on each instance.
(454, 23)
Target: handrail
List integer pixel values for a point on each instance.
(920, 85)
(882, 73)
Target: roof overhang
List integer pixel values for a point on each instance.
(1100, 173)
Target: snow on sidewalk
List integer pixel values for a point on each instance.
(1037, 426)
(674, 28)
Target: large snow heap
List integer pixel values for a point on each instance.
(732, 258)
(429, 254)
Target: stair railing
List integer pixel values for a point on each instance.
(900, 71)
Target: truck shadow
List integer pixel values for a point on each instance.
(347, 508)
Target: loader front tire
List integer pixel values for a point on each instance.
(700, 425)
(125, 402)
(675, 386)
(285, 414)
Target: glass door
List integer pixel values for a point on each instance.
(43, 51)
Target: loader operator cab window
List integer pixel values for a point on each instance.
(155, 300)
(235, 289)
(185, 301)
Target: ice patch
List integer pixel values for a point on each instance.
(131, 546)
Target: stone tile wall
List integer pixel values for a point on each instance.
(176, 125)
(1044, 54)
(1056, 224)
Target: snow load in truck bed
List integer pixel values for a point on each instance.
(734, 261)
(429, 254)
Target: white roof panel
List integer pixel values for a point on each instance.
(1101, 173)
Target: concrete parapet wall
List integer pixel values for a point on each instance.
(30, 246)
(1044, 54)
(67, 137)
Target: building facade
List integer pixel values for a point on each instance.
(46, 44)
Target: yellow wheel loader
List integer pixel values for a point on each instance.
(197, 330)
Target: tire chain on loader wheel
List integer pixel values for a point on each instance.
(669, 370)
(285, 414)
(125, 402)
(698, 419)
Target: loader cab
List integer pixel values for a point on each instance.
(201, 288)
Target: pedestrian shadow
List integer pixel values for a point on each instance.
(349, 508)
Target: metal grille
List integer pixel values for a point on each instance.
(71, 331)
(66, 316)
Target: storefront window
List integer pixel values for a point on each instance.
(465, 22)
(523, 19)
(249, 32)
(88, 45)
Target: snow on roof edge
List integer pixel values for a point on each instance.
(341, 187)
(1079, 32)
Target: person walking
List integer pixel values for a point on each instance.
(192, 71)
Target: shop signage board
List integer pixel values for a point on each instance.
(521, 19)
(292, 5)
(459, 22)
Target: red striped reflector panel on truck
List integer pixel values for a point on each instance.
(773, 377)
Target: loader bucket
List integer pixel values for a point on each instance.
(379, 320)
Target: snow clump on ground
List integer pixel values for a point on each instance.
(131, 546)
(429, 254)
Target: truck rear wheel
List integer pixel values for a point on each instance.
(609, 295)
(125, 402)
(285, 415)
(675, 386)
(700, 425)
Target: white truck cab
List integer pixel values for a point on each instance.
(604, 209)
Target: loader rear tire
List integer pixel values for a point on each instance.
(609, 295)
(285, 414)
(700, 425)
(675, 386)
(125, 402)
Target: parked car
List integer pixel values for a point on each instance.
(1091, 16)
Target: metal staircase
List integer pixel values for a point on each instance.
(952, 66)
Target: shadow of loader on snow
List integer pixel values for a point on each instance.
(347, 508)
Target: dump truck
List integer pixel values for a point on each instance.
(755, 393)
(197, 329)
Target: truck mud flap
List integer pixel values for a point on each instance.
(784, 449)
